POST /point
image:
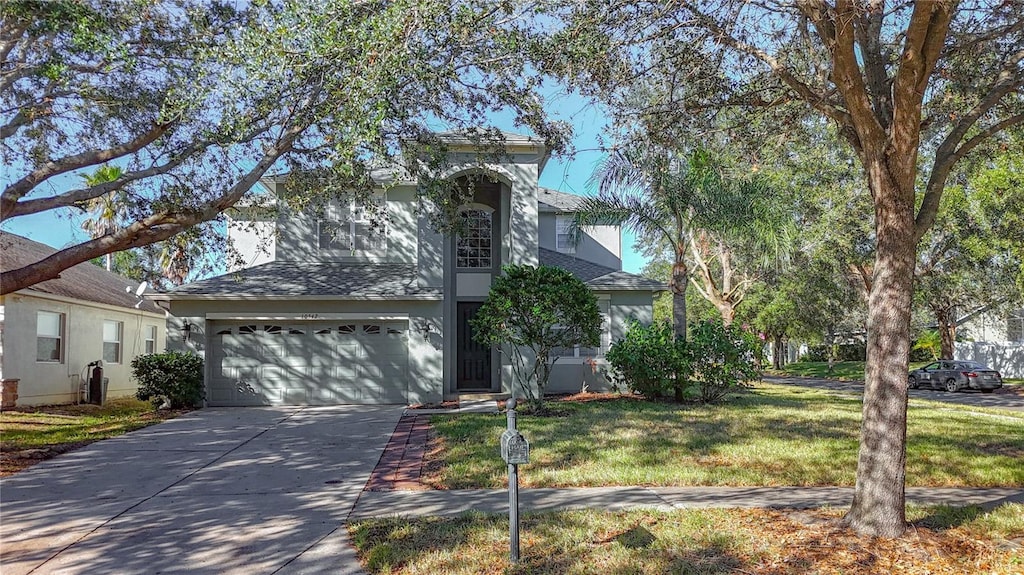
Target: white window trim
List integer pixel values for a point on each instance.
(119, 341)
(561, 225)
(356, 215)
(475, 207)
(61, 339)
(150, 330)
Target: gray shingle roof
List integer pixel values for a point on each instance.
(298, 279)
(549, 200)
(598, 276)
(85, 281)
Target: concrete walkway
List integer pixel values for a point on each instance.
(227, 491)
(448, 503)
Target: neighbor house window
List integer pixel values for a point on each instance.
(473, 245)
(350, 229)
(49, 337)
(150, 339)
(563, 235)
(112, 331)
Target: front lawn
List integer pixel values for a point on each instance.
(773, 435)
(696, 541)
(31, 434)
(842, 370)
(849, 370)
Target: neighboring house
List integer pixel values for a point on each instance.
(337, 310)
(50, 332)
(994, 339)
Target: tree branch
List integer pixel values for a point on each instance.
(941, 169)
(815, 99)
(152, 229)
(17, 190)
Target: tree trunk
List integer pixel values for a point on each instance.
(879, 502)
(777, 352)
(728, 311)
(947, 332)
(678, 282)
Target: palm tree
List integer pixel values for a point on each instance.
(692, 206)
(657, 193)
(107, 209)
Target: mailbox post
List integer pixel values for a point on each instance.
(514, 450)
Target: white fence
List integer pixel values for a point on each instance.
(1005, 357)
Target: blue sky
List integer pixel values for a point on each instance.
(565, 174)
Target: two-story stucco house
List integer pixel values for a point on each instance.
(331, 309)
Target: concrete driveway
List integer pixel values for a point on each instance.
(242, 490)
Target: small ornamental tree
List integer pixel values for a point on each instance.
(530, 313)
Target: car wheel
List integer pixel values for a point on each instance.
(951, 385)
(912, 381)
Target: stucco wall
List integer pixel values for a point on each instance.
(599, 244)
(44, 382)
(254, 241)
(297, 238)
(425, 353)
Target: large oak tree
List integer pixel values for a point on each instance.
(911, 87)
(194, 102)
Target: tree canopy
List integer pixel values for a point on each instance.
(195, 102)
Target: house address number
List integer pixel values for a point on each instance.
(310, 316)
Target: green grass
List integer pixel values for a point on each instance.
(773, 435)
(65, 426)
(693, 541)
(845, 370)
(848, 370)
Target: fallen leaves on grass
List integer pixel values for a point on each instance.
(704, 541)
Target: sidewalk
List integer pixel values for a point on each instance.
(455, 502)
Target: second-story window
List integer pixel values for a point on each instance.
(473, 244)
(351, 229)
(563, 236)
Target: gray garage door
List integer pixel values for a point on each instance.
(307, 363)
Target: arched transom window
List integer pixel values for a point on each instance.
(473, 244)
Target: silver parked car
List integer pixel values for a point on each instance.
(955, 375)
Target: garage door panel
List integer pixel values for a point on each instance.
(308, 363)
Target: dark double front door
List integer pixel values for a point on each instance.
(473, 359)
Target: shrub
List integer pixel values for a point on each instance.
(650, 360)
(173, 377)
(723, 358)
(714, 361)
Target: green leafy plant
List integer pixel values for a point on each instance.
(724, 357)
(174, 378)
(930, 342)
(715, 360)
(531, 312)
(650, 360)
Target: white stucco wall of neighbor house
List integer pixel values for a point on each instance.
(81, 329)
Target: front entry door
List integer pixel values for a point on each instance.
(474, 359)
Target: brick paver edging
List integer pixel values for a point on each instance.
(402, 461)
